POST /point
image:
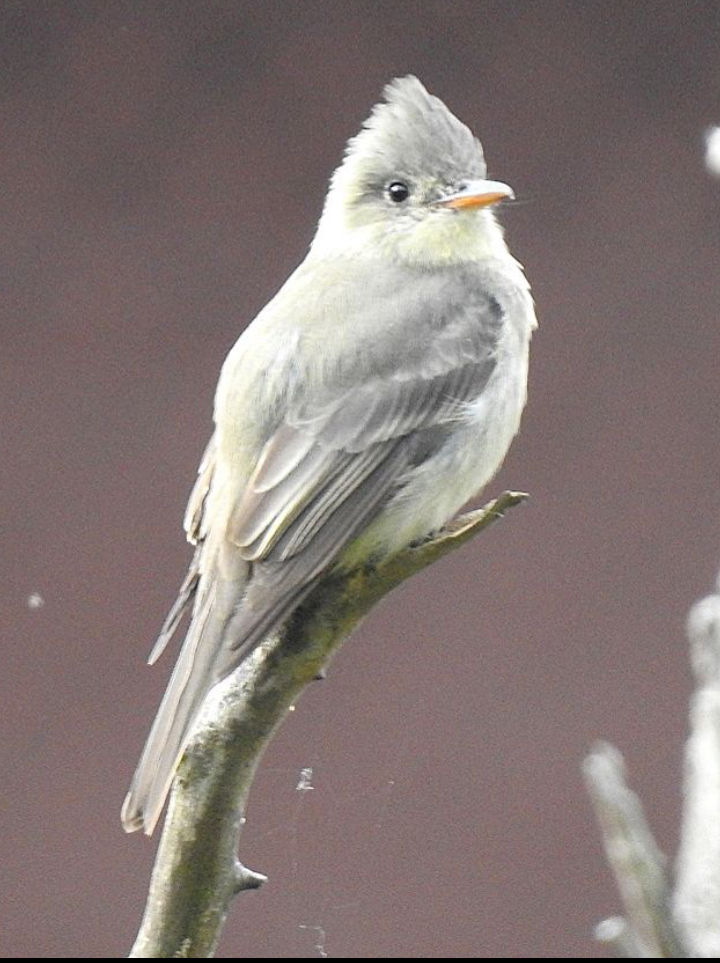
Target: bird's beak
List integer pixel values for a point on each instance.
(476, 194)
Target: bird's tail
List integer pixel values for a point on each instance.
(229, 619)
(231, 616)
(197, 670)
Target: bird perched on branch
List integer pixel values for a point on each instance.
(375, 394)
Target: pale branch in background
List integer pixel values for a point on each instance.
(697, 892)
(197, 871)
(712, 150)
(618, 936)
(664, 920)
(636, 861)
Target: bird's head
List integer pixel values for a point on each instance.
(412, 186)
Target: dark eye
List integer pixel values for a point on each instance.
(398, 192)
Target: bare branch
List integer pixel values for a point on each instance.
(697, 896)
(196, 870)
(632, 853)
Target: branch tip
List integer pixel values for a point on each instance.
(617, 935)
(604, 765)
(611, 929)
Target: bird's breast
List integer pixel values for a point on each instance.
(472, 453)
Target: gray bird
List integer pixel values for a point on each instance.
(375, 394)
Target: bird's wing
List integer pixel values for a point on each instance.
(331, 465)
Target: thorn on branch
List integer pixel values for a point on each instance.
(245, 878)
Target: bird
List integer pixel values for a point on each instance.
(376, 393)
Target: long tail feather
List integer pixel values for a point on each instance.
(193, 677)
(206, 657)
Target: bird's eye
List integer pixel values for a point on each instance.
(398, 192)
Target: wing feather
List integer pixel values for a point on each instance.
(278, 586)
(195, 525)
(195, 513)
(341, 446)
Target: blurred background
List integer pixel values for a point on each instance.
(162, 168)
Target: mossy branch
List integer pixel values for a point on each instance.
(197, 872)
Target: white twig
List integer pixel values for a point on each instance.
(618, 936)
(633, 855)
(697, 896)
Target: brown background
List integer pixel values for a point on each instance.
(162, 167)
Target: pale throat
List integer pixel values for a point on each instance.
(436, 238)
(452, 237)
